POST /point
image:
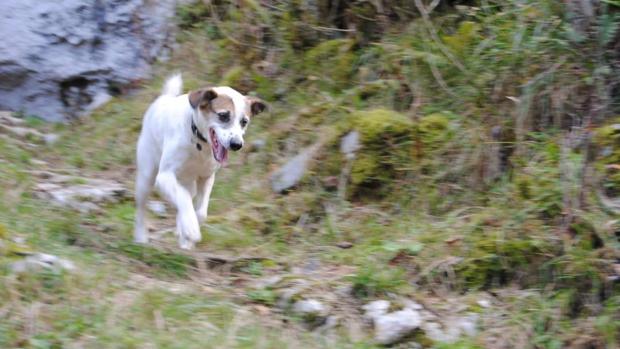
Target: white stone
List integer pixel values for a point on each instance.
(453, 328)
(50, 138)
(42, 261)
(375, 309)
(310, 307)
(350, 144)
(484, 303)
(407, 303)
(392, 327)
(469, 324)
(258, 144)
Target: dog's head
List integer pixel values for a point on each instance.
(222, 115)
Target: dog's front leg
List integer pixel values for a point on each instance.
(205, 185)
(188, 230)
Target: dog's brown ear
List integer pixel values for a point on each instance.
(257, 105)
(201, 97)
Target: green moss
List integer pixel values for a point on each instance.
(366, 169)
(371, 281)
(377, 125)
(386, 137)
(493, 259)
(331, 64)
(465, 36)
(192, 15)
(265, 296)
(434, 130)
(542, 189)
(607, 138)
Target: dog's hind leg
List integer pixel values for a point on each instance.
(202, 197)
(145, 178)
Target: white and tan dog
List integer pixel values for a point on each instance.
(185, 139)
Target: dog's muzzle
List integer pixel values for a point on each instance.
(235, 144)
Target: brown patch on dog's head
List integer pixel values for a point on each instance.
(223, 103)
(201, 98)
(256, 106)
(208, 100)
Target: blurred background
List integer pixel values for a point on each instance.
(431, 174)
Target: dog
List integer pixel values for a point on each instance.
(185, 139)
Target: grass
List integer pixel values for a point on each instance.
(266, 225)
(448, 227)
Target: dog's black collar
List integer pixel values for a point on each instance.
(198, 135)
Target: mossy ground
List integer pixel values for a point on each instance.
(429, 213)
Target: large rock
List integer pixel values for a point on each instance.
(392, 327)
(84, 197)
(61, 59)
(375, 309)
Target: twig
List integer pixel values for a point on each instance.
(328, 29)
(439, 78)
(432, 5)
(433, 32)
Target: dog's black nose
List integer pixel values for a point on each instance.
(235, 145)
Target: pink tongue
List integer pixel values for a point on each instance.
(222, 154)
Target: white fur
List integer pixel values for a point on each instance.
(167, 157)
(173, 86)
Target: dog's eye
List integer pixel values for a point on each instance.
(224, 116)
(244, 122)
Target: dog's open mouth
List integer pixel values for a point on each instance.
(220, 153)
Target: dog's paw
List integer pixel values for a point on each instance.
(201, 216)
(185, 243)
(188, 228)
(140, 236)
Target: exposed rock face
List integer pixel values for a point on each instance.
(40, 261)
(61, 59)
(83, 197)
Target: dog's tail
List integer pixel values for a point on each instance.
(173, 86)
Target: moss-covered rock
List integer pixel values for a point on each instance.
(389, 143)
(434, 130)
(493, 259)
(386, 137)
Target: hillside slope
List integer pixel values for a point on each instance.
(466, 201)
